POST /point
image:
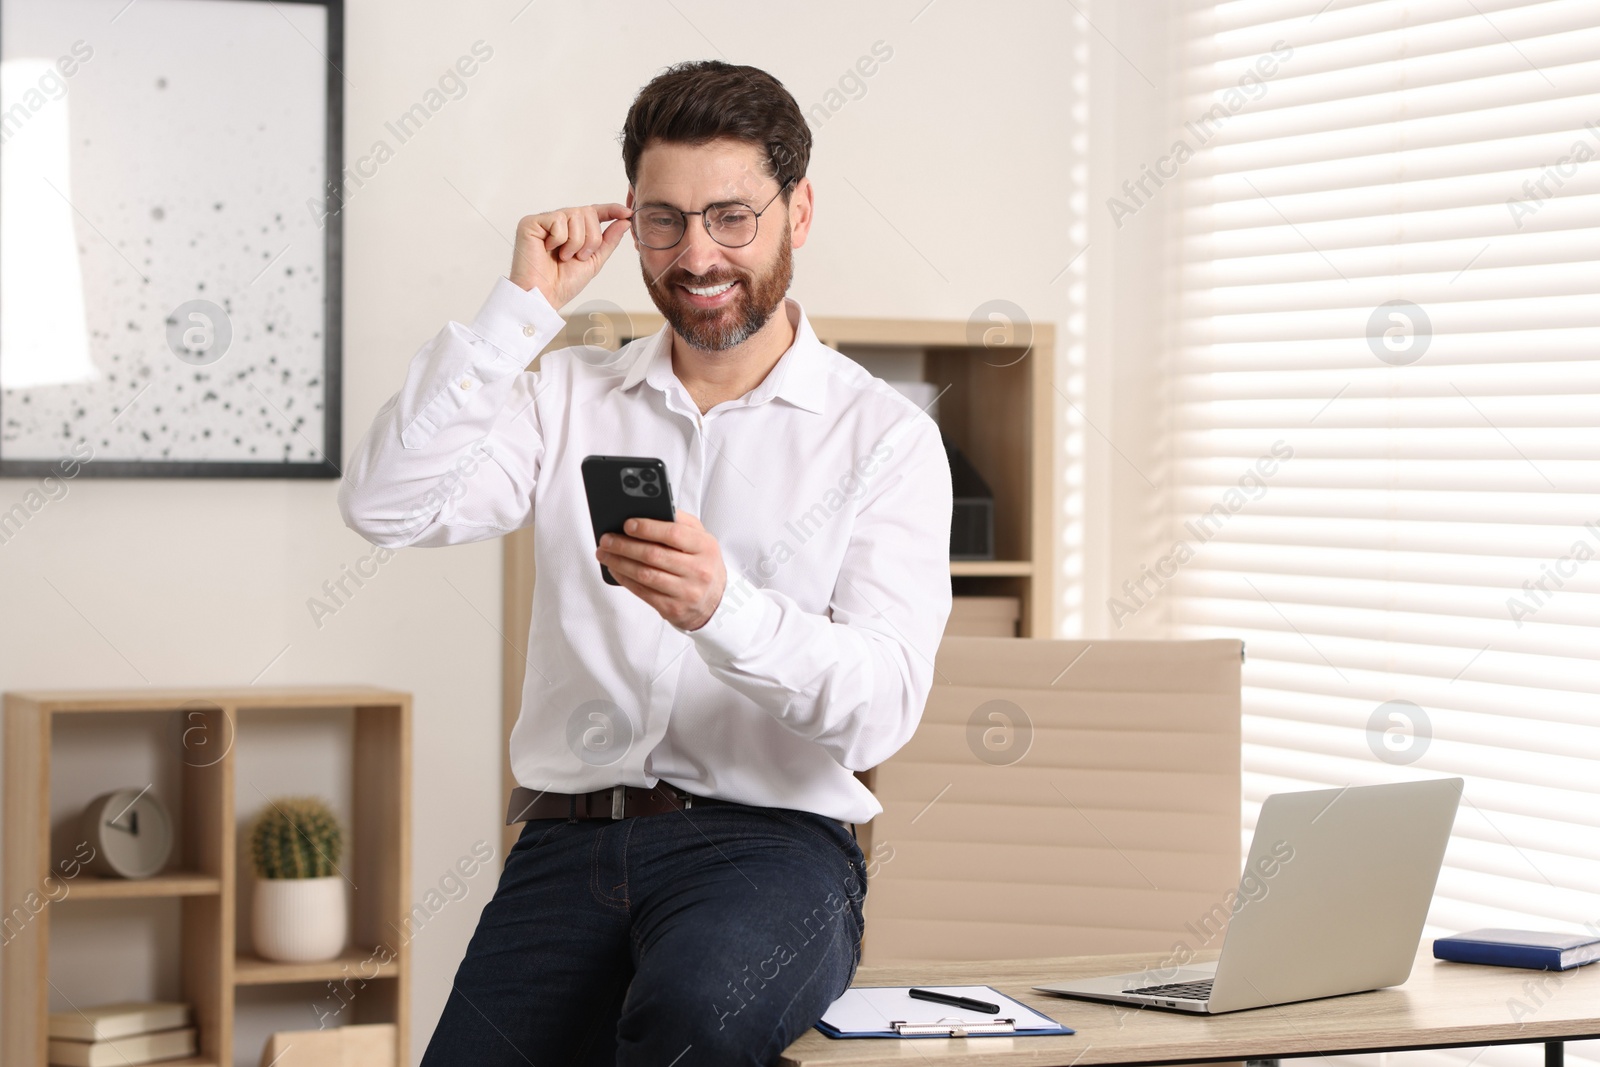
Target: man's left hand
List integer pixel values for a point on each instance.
(675, 567)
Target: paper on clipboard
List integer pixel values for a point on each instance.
(875, 1009)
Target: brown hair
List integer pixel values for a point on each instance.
(702, 100)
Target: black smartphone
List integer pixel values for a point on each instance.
(620, 488)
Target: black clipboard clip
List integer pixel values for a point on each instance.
(999, 1026)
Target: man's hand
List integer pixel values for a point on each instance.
(560, 252)
(675, 567)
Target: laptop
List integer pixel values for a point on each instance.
(1332, 900)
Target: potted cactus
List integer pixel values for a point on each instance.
(299, 902)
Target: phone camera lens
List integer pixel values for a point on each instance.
(652, 490)
(630, 482)
(648, 475)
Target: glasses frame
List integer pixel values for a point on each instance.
(706, 221)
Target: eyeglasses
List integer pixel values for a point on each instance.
(730, 225)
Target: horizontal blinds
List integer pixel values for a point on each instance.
(1399, 502)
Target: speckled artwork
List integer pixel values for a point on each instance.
(164, 236)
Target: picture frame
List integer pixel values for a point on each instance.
(179, 319)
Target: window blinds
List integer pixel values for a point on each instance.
(1385, 397)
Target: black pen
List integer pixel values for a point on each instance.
(953, 1000)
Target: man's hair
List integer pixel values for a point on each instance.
(703, 100)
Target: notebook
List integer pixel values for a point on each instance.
(1519, 948)
(889, 1011)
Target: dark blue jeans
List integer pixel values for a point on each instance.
(716, 936)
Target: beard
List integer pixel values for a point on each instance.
(757, 296)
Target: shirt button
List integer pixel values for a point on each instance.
(529, 330)
(465, 383)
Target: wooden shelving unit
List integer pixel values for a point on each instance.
(204, 879)
(997, 406)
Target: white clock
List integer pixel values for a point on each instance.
(130, 831)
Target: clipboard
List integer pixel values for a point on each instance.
(889, 1011)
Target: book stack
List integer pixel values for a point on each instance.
(115, 1035)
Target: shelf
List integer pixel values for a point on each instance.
(77, 700)
(832, 330)
(43, 736)
(250, 969)
(990, 568)
(170, 884)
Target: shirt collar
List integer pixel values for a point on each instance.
(799, 376)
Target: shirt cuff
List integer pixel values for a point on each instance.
(517, 321)
(740, 615)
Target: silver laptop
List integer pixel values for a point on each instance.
(1332, 900)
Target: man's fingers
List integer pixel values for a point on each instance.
(591, 233)
(583, 227)
(610, 239)
(678, 535)
(654, 573)
(576, 226)
(555, 231)
(675, 567)
(650, 595)
(548, 243)
(650, 554)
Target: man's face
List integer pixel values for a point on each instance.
(693, 178)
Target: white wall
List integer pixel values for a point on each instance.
(939, 188)
(1132, 118)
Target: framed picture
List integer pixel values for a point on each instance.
(170, 186)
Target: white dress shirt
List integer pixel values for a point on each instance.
(828, 493)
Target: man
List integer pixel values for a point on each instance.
(687, 888)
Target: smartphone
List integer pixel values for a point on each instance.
(620, 488)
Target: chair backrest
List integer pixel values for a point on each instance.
(1059, 798)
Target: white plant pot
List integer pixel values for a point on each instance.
(299, 920)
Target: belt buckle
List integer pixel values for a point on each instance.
(619, 796)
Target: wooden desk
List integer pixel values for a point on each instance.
(1440, 1006)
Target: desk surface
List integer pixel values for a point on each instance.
(1441, 1004)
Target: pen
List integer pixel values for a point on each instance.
(953, 1000)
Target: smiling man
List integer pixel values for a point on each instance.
(687, 888)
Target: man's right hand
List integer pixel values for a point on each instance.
(559, 252)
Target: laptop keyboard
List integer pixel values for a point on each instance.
(1177, 990)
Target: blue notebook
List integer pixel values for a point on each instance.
(1519, 948)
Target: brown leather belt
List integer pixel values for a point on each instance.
(617, 802)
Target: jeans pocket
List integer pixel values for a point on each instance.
(830, 830)
(534, 833)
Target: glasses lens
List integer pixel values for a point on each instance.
(657, 228)
(733, 226)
